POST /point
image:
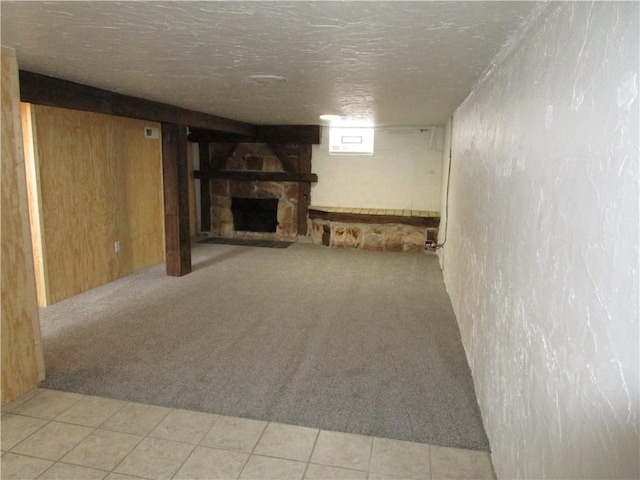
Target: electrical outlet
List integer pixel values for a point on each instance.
(116, 247)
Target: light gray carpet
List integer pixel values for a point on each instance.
(353, 341)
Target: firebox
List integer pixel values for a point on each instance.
(254, 214)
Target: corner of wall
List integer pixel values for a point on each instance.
(444, 191)
(22, 356)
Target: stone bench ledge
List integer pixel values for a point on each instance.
(418, 218)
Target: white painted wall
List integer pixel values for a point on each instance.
(542, 257)
(403, 173)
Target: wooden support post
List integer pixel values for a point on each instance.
(205, 187)
(304, 189)
(176, 199)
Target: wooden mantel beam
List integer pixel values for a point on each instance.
(249, 176)
(55, 92)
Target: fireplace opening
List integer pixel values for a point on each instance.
(254, 214)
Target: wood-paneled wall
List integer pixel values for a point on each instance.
(22, 360)
(100, 183)
(142, 231)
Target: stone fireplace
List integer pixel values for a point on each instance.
(262, 191)
(254, 196)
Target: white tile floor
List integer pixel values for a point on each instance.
(50, 434)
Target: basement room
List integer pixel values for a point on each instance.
(320, 240)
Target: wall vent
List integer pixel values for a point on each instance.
(151, 132)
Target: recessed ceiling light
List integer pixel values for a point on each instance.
(266, 79)
(330, 118)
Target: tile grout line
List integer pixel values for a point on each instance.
(53, 462)
(373, 439)
(253, 449)
(112, 470)
(114, 413)
(315, 442)
(60, 462)
(350, 469)
(193, 449)
(49, 468)
(142, 439)
(43, 418)
(82, 424)
(196, 445)
(31, 456)
(22, 400)
(48, 421)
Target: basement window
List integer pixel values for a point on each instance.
(350, 141)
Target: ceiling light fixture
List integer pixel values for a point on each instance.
(330, 118)
(266, 79)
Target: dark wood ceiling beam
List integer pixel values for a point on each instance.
(55, 92)
(308, 134)
(275, 134)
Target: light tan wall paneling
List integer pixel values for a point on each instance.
(100, 183)
(78, 179)
(22, 360)
(143, 225)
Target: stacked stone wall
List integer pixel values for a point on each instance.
(384, 237)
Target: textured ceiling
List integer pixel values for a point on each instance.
(391, 63)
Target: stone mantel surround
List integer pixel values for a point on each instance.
(260, 159)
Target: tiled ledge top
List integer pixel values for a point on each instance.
(377, 211)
